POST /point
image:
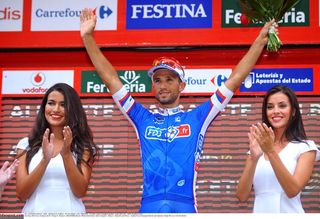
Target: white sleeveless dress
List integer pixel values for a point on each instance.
(269, 195)
(53, 194)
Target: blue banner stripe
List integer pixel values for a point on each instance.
(164, 14)
(260, 80)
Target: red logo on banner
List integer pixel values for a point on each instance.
(38, 78)
(9, 14)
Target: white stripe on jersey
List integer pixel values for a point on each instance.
(128, 104)
(226, 92)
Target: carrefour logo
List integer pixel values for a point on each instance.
(164, 14)
(103, 12)
(218, 80)
(205, 80)
(232, 15)
(48, 15)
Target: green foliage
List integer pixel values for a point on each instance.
(274, 42)
(266, 10)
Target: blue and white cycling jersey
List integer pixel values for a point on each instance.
(171, 144)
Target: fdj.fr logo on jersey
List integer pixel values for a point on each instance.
(169, 14)
(232, 15)
(168, 134)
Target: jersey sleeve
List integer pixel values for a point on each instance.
(221, 97)
(133, 110)
(218, 101)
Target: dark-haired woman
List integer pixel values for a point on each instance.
(281, 158)
(56, 159)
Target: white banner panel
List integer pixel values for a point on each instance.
(33, 81)
(48, 15)
(11, 14)
(205, 80)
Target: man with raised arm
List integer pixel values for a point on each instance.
(171, 140)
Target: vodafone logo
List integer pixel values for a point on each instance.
(38, 79)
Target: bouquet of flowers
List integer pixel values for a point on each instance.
(264, 11)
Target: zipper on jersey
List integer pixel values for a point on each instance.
(166, 153)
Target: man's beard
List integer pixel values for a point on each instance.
(167, 101)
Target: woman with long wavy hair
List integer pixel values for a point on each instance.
(281, 158)
(56, 159)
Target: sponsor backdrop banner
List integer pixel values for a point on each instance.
(297, 16)
(48, 15)
(136, 81)
(299, 79)
(199, 81)
(164, 14)
(11, 15)
(33, 81)
(205, 80)
(123, 23)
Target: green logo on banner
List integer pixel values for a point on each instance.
(297, 16)
(135, 81)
